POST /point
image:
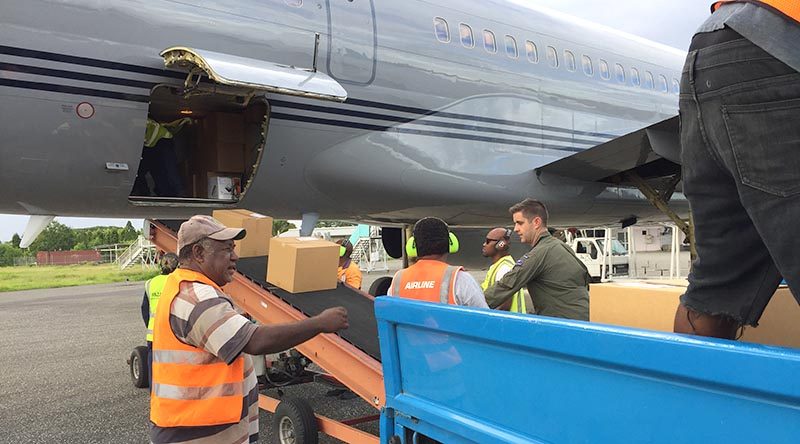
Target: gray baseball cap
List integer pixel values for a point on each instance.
(201, 226)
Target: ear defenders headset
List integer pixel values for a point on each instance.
(411, 245)
(502, 244)
(344, 246)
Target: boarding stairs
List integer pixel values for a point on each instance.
(368, 251)
(141, 251)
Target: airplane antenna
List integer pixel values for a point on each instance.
(316, 50)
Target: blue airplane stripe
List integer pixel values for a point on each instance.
(98, 63)
(74, 90)
(389, 128)
(417, 121)
(35, 70)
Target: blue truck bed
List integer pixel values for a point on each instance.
(461, 375)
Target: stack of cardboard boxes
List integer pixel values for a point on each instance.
(651, 306)
(296, 264)
(220, 157)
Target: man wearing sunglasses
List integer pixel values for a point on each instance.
(557, 280)
(496, 248)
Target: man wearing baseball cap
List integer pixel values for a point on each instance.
(204, 386)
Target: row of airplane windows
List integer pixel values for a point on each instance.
(646, 81)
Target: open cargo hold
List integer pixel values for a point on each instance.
(212, 156)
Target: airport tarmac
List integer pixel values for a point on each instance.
(64, 375)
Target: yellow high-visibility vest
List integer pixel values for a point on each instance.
(518, 303)
(153, 288)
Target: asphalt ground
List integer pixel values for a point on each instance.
(64, 373)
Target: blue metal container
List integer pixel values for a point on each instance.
(462, 375)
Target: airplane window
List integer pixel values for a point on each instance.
(552, 57)
(662, 84)
(533, 54)
(635, 77)
(294, 3)
(488, 41)
(648, 80)
(676, 86)
(569, 60)
(511, 47)
(466, 36)
(587, 65)
(442, 32)
(605, 74)
(619, 73)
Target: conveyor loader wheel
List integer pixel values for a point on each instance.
(294, 423)
(381, 286)
(140, 374)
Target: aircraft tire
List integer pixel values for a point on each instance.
(294, 423)
(381, 286)
(140, 373)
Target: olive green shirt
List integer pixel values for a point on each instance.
(557, 281)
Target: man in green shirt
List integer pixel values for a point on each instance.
(557, 280)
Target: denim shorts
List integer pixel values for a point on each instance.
(740, 139)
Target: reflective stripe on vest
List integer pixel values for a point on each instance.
(427, 280)
(518, 302)
(789, 8)
(191, 387)
(153, 288)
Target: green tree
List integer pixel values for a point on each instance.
(8, 252)
(281, 226)
(334, 223)
(16, 240)
(55, 237)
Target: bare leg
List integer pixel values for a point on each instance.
(691, 322)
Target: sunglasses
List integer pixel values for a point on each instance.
(488, 241)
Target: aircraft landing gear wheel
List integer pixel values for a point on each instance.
(381, 286)
(140, 374)
(294, 423)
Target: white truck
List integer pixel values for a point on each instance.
(591, 251)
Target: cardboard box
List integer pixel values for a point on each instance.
(258, 226)
(224, 127)
(300, 264)
(651, 306)
(223, 187)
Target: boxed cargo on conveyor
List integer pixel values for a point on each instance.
(258, 226)
(300, 264)
(651, 305)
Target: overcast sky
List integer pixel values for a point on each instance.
(671, 22)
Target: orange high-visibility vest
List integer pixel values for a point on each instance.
(191, 387)
(789, 8)
(427, 280)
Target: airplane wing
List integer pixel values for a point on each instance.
(651, 152)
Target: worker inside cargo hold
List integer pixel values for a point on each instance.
(495, 247)
(348, 271)
(204, 387)
(160, 161)
(431, 279)
(557, 281)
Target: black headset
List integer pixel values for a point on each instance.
(503, 244)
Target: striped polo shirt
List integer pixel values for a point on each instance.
(205, 318)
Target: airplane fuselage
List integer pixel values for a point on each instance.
(433, 124)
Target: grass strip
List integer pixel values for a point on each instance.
(54, 276)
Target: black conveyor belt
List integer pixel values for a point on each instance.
(363, 331)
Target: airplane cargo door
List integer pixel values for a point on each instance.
(351, 48)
